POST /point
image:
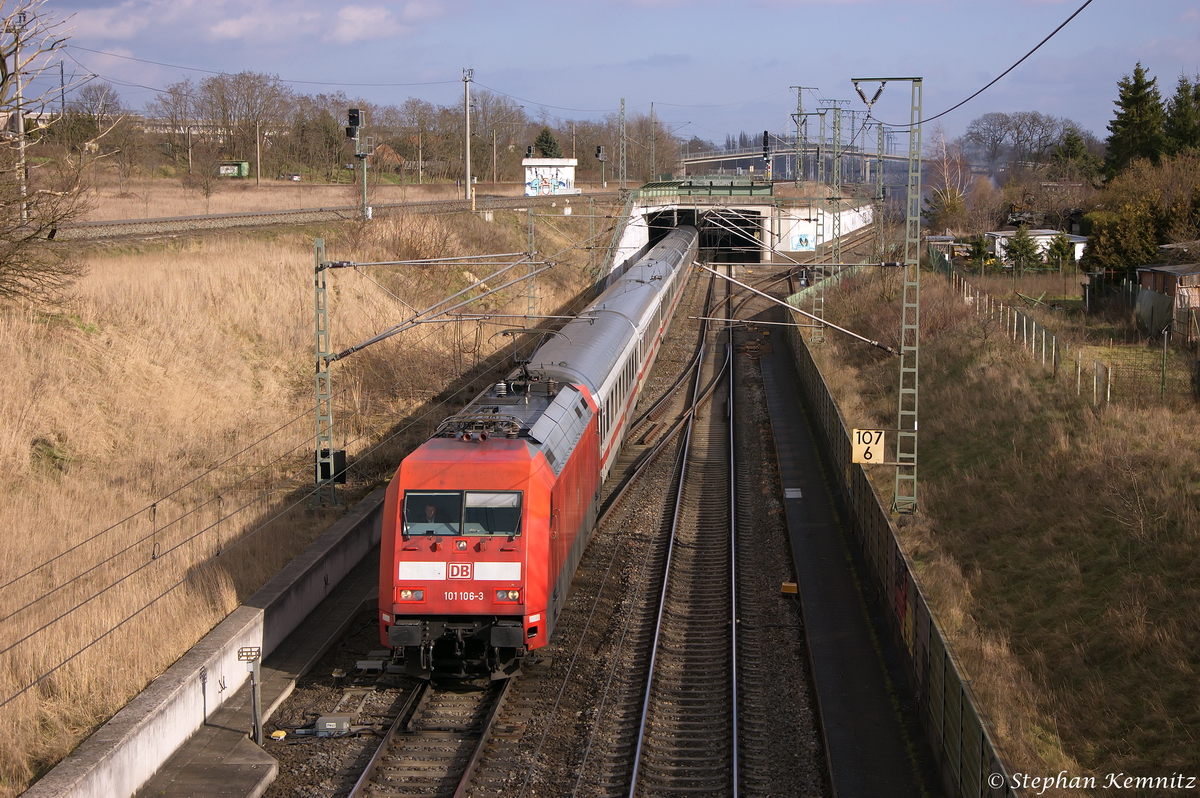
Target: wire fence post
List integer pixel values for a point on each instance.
(154, 532)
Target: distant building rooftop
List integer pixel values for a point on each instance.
(1177, 269)
(1040, 233)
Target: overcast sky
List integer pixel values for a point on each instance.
(718, 67)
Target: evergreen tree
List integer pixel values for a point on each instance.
(1071, 159)
(1120, 241)
(1182, 124)
(1021, 250)
(979, 252)
(547, 145)
(1137, 129)
(1061, 253)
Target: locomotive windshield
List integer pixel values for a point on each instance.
(462, 513)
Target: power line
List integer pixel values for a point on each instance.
(163, 498)
(1002, 74)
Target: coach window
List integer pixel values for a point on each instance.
(432, 513)
(497, 513)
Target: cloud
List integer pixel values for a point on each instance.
(363, 23)
(266, 24)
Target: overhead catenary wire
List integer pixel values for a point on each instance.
(158, 530)
(795, 309)
(275, 488)
(172, 493)
(997, 79)
(162, 498)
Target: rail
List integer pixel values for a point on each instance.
(114, 228)
(692, 671)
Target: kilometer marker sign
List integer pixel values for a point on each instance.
(866, 446)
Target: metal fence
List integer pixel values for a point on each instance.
(967, 755)
(1127, 374)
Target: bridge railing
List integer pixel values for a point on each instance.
(968, 757)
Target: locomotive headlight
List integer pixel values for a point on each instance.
(508, 595)
(409, 594)
(406, 595)
(418, 595)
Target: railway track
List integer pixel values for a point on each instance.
(572, 723)
(646, 729)
(133, 228)
(687, 737)
(434, 745)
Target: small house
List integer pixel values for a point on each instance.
(997, 242)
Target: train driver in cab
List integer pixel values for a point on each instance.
(430, 515)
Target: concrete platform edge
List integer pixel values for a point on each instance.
(127, 750)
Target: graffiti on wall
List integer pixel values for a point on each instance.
(542, 181)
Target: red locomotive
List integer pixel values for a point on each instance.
(485, 523)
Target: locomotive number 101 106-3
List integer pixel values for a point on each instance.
(463, 595)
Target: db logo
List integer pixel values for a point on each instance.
(459, 570)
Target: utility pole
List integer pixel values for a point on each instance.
(62, 91)
(622, 142)
(836, 203)
(17, 29)
(905, 495)
(653, 164)
(258, 153)
(801, 139)
(799, 122)
(879, 149)
(468, 76)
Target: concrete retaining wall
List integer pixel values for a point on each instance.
(125, 752)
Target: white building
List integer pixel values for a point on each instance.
(997, 242)
(550, 176)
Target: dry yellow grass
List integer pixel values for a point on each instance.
(161, 198)
(1057, 545)
(165, 415)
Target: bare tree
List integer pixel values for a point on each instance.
(173, 112)
(988, 137)
(1034, 136)
(33, 264)
(983, 205)
(950, 174)
(100, 102)
(238, 107)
